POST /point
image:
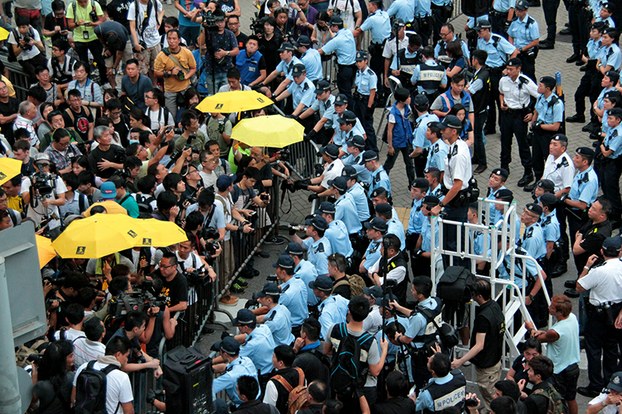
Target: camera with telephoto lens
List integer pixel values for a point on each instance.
(284, 154)
(471, 402)
(209, 21)
(211, 235)
(144, 297)
(257, 24)
(264, 197)
(43, 183)
(197, 277)
(27, 45)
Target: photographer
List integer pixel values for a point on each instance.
(191, 136)
(55, 24)
(61, 151)
(27, 46)
(174, 284)
(60, 65)
(82, 17)
(145, 17)
(46, 192)
(117, 48)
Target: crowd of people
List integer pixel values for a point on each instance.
(110, 124)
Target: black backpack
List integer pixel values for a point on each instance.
(144, 205)
(349, 369)
(91, 390)
(456, 284)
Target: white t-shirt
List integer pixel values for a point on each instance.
(85, 350)
(159, 118)
(70, 335)
(118, 387)
(37, 211)
(610, 409)
(150, 35)
(26, 54)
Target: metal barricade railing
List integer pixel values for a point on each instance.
(17, 76)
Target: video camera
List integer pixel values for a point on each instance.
(43, 183)
(209, 21)
(211, 236)
(144, 297)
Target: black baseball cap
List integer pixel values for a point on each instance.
(378, 224)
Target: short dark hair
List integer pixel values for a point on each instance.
(359, 308)
(397, 385)
(339, 261)
(59, 134)
(318, 391)
(541, 365)
(502, 405)
(482, 288)
(52, 114)
(132, 61)
(74, 93)
(285, 354)
(146, 184)
(118, 344)
(508, 388)
(423, 284)
(166, 200)
(440, 364)
(248, 387)
(93, 328)
(233, 73)
(71, 180)
(312, 328)
(74, 313)
(134, 319)
(118, 285)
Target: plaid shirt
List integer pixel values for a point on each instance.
(62, 161)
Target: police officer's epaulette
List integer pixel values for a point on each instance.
(523, 79)
(554, 100)
(530, 21)
(369, 71)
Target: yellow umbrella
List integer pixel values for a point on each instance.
(158, 233)
(275, 131)
(4, 34)
(111, 206)
(45, 250)
(234, 101)
(9, 167)
(98, 236)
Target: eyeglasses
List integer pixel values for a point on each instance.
(149, 97)
(167, 267)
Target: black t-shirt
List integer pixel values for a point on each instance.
(398, 405)
(79, 121)
(7, 109)
(343, 289)
(123, 130)
(314, 364)
(241, 38)
(520, 372)
(52, 21)
(489, 320)
(117, 10)
(593, 237)
(176, 290)
(114, 154)
(269, 50)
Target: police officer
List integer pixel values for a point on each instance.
(257, 344)
(421, 331)
(332, 168)
(278, 318)
(446, 388)
(428, 76)
(550, 16)
(347, 123)
(605, 302)
(559, 167)
(378, 24)
(354, 159)
(323, 106)
(553, 264)
(611, 149)
(496, 182)
(402, 10)
(310, 58)
(433, 175)
(501, 16)
(303, 270)
(418, 191)
(379, 177)
(366, 85)
(236, 367)
(284, 68)
(394, 225)
(404, 62)
(499, 51)
(293, 289)
(337, 232)
(344, 45)
(301, 90)
(356, 192)
(525, 35)
(546, 122)
(397, 42)
(610, 57)
(458, 174)
(375, 230)
(421, 142)
(332, 308)
(516, 92)
(438, 148)
(422, 23)
(345, 208)
(392, 268)
(316, 244)
(479, 88)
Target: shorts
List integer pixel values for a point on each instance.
(127, 55)
(147, 58)
(566, 382)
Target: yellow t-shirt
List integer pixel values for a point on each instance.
(165, 63)
(83, 34)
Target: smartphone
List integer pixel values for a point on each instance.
(252, 213)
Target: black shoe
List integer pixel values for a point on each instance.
(263, 254)
(529, 187)
(576, 118)
(579, 62)
(274, 240)
(546, 45)
(583, 68)
(573, 58)
(589, 127)
(587, 392)
(490, 131)
(480, 168)
(559, 269)
(565, 31)
(570, 284)
(535, 3)
(207, 330)
(526, 179)
(572, 293)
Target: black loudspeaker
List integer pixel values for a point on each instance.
(188, 380)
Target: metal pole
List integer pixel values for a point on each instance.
(10, 400)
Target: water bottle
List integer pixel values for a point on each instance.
(559, 90)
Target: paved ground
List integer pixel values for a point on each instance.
(549, 61)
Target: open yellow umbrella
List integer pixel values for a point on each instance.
(4, 34)
(275, 131)
(158, 233)
(45, 250)
(111, 206)
(234, 101)
(9, 167)
(98, 236)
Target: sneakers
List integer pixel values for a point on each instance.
(236, 288)
(229, 300)
(242, 282)
(274, 240)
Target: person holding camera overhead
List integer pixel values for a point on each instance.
(82, 17)
(145, 17)
(177, 66)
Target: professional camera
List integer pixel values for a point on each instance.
(180, 75)
(284, 154)
(43, 183)
(209, 21)
(211, 235)
(264, 197)
(27, 46)
(197, 277)
(144, 297)
(257, 24)
(93, 16)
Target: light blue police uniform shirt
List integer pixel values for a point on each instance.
(325, 109)
(421, 126)
(372, 254)
(259, 347)
(344, 44)
(426, 235)
(286, 68)
(584, 186)
(228, 381)
(547, 113)
(423, 8)
(317, 253)
(379, 178)
(522, 34)
(533, 241)
(610, 56)
(604, 128)
(600, 100)
(497, 56)
(360, 199)
(594, 49)
(302, 93)
(365, 80)
(378, 24)
(294, 294)
(614, 141)
(494, 214)
(306, 272)
(403, 10)
(465, 48)
(608, 21)
(532, 269)
(503, 6)
(279, 320)
(339, 238)
(345, 211)
(438, 192)
(437, 155)
(550, 227)
(472, 23)
(333, 310)
(396, 227)
(417, 322)
(416, 217)
(313, 63)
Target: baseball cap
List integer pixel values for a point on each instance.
(383, 208)
(347, 116)
(269, 289)
(612, 245)
(380, 191)
(617, 112)
(323, 283)
(521, 5)
(285, 261)
(336, 21)
(42, 157)
(560, 138)
(373, 291)
(319, 223)
(586, 151)
(421, 101)
(613, 76)
(504, 194)
(341, 99)
(431, 201)
(546, 184)
(483, 24)
(244, 317)
(223, 182)
(349, 172)
(548, 199)
(108, 190)
(377, 223)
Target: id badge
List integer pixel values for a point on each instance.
(145, 15)
(85, 35)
